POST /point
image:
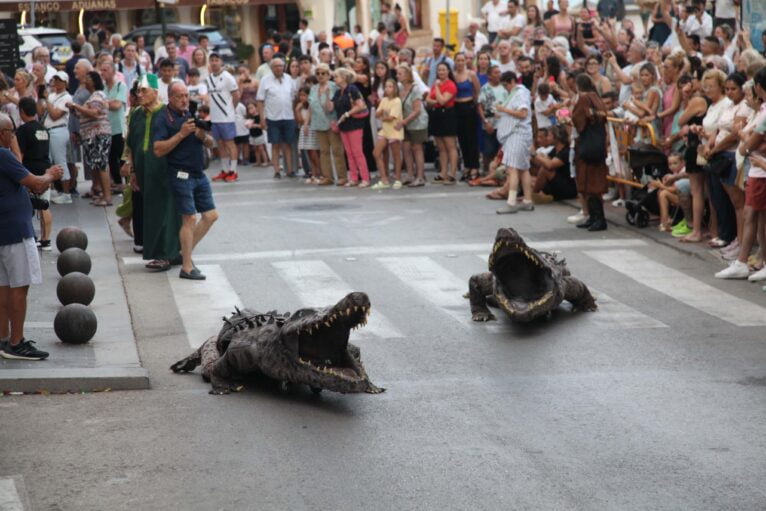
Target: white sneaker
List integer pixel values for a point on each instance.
(758, 276)
(610, 195)
(736, 270)
(619, 203)
(578, 218)
(62, 198)
(397, 185)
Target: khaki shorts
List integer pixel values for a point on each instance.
(416, 136)
(20, 264)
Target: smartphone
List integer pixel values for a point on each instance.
(538, 42)
(551, 79)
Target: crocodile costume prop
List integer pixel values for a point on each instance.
(525, 283)
(309, 346)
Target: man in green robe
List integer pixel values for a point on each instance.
(155, 218)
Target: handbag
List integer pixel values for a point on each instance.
(718, 165)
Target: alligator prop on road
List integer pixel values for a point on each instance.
(524, 283)
(309, 346)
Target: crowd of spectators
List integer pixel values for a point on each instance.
(537, 103)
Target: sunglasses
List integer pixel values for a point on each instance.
(322, 73)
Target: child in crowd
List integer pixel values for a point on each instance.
(545, 106)
(307, 139)
(197, 88)
(241, 134)
(391, 134)
(258, 152)
(615, 159)
(632, 111)
(670, 189)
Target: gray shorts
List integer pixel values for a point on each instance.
(684, 187)
(20, 264)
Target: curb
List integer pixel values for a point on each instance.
(74, 379)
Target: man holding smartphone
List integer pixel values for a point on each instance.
(176, 137)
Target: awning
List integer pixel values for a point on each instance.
(111, 5)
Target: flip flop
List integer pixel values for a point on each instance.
(717, 243)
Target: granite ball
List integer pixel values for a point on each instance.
(75, 324)
(75, 287)
(69, 237)
(73, 259)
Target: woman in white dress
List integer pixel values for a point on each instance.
(514, 132)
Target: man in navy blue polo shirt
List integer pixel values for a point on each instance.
(19, 261)
(175, 136)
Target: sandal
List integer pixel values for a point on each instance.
(717, 243)
(101, 203)
(496, 195)
(438, 179)
(416, 183)
(450, 181)
(158, 265)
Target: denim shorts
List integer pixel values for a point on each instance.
(192, 195)
(224, 131)
(281, 132)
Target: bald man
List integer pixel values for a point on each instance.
(19, 261)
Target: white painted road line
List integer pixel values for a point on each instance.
(683, 288)
(400, 250)
(202, 304)
(614, 314)
(317, 285)
(354, 197)
(9, 497)
(437, 285)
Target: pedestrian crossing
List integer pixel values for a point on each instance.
(434, 284)
(9, 496)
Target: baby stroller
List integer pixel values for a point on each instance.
(648, 163)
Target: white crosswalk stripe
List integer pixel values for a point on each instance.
(682, 287)
(202, 304)
(316, 284)
(9, 496)
(439, 286)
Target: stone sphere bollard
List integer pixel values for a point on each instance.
(69, 237)
(75, 287)
(75, 324)
(73, 259)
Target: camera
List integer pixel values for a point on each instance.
(38, 203)
(199, 123)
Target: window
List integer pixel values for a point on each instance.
(416, 13)
(227, 19)
(150, 17)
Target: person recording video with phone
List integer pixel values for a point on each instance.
(181, 138)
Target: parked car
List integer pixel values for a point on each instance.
(55, 39)
(219, 42)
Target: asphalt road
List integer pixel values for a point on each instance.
(656, 401)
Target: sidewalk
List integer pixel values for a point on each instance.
(110, 360)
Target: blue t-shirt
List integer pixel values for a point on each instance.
(15, 207)
(187, 155)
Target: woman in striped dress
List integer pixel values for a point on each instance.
(514, 132)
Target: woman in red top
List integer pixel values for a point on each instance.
(442, 122)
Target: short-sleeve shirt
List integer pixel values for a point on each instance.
(421, 121)
(219, 88)
(495, 20)
(344, 101)
(59, 101)
(187, 155)
(119, 92)
(15, 208)
(489, 97)
(92, 126)
(433, 63)
(34, 146)
(277, 96)
(394, 109)
(447, 87)
(321, 118)
(79, 97)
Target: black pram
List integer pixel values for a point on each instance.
(648, 162)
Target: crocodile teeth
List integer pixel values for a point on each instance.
(356, 308)
(348, 311)
(327, 324)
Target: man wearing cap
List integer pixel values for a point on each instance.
(19, 260)
(175, 136)
(156, 221)
(223, 96)
(57, 123)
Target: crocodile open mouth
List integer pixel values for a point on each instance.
(322, 336)
(524, 279)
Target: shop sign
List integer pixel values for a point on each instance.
(40, 7)
(216, 3)
(95, 5)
